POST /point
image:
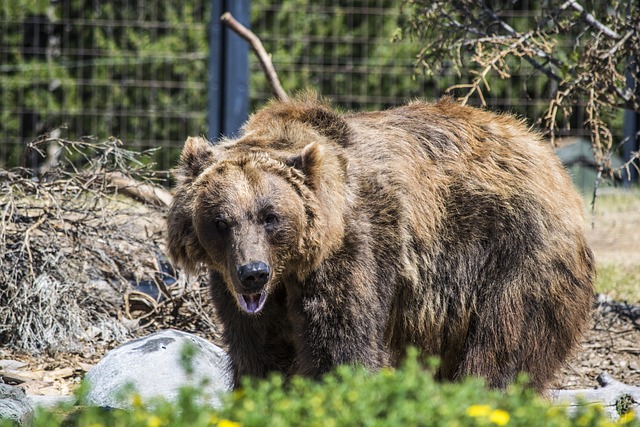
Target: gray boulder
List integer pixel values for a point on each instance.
(152, 366)
(14, 405)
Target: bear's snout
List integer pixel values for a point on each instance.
(253, 276)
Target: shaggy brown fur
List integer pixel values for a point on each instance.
(440, 226)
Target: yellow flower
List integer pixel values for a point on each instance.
(136, 400)
(499, 417)
(627, 417)
(228, 423)
(154, 421)
(583, 420)
(478, 410)
(387, 372)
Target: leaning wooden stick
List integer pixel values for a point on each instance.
(263, 56)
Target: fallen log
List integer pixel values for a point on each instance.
(617, 398)
(144, 192)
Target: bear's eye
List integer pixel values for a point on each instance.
(271, 219)
(221, 224)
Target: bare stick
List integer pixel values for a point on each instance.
(26, 245)
(145, 192)
(263, 56)
(591, 20)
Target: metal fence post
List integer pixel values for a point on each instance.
(228, 70)
(236, 71)
(214, 90)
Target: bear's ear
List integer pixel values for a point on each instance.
(196, 156)
(327, 123)
(308, 161)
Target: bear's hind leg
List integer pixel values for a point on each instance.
(517, 333)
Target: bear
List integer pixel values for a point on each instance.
(345, 237)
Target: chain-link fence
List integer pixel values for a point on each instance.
(137, 70)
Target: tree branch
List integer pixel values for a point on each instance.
(615, 47)
(612, 394)
(261, 53)
(141, 191)
(539, 52)
(590, 19)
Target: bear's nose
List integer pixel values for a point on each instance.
(254, 275)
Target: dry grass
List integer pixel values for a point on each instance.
(73, 251)
(615, 240)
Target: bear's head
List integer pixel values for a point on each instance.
(257, 210)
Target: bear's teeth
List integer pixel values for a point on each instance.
(252, 303)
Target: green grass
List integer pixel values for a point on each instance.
(615, 240)
(621, 282)
(618, 200)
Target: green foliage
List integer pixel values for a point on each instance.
(186, 358)
(138, 70)
(348, 397)
(624, 404)
(132, 69)
(342, 49)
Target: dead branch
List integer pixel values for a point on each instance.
(616, 397)
(591, 20)
(261, 53)
(25, 242)
(147, 193)
(615, 48)
(537, 51)
(70, 250)
(586, 61)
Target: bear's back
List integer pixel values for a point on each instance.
(446, 160)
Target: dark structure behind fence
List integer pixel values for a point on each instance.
(228, 70)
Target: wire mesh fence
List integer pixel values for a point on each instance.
(137, 70)
(133, 70)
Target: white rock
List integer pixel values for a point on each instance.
(151, 365)
(14, 406)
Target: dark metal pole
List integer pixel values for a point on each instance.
(631, 144)
(228, 71)
(235, 100)
(214, 116)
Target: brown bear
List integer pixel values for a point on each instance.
(344, 238)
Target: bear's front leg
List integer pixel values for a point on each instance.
(339, 317)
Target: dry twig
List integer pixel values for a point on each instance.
(588, 61)
(70, 249)
(261, 53)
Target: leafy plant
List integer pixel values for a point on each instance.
(347, 397)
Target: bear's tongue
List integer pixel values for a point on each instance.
(252, 303)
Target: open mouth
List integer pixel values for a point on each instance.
(252, 303)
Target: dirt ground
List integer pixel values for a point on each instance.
(612, 344)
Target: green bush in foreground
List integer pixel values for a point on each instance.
(348, 397)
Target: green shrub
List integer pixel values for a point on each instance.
(349, 397)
